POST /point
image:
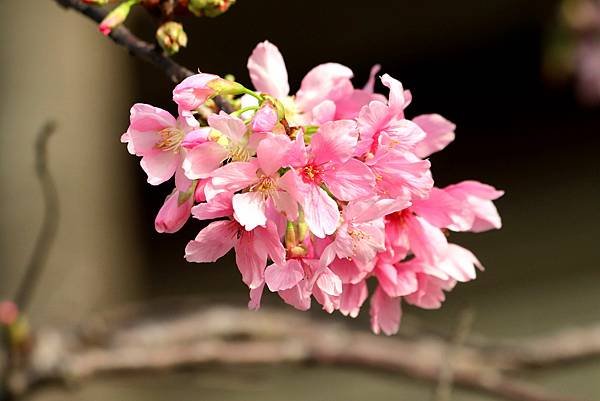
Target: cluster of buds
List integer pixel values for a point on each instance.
(170, 35)
(318, 192)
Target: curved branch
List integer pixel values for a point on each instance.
(49, 226)
(139, 48)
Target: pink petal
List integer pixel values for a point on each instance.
(460, 263)
(214, 241)
(323, 82)
(430, 294)
(283, 277)
(182, 183)
(202, 160)
(477, 197)
(141, 143)
(370, 85)
(426, 241)
(272, 153)
(219, 206)
(250, 264)
(335, 141)
(353, 296)
(160, 166)
(396, 100)
(324, 112)
(349, 181)
(268, 243)
(148, 118)
(443, 210)
(372, 209)
(235, 176)
(385, 313)
(249, 209)
(267, 70)
(398, 172)
(196, 137)
(329, 282)
(347, 271)
(439, 133)
(285, 204)
(330, 303)
(320, 211)
(232, 127)
(255, 297)
(297, 296)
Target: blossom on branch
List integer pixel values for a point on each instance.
(317, 193)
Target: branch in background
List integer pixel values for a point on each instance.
(173, 335)
(49, 226)
(139, 48)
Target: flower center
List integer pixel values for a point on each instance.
(170, 139)
(399, 217)
(266, 185)
(312, 173)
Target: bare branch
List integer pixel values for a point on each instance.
(139, 48)
(226, 335)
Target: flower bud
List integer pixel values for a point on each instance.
(171, 37)
(174, 213)
(265, 119)
(209, 8)
(226, 87)
(117, 16)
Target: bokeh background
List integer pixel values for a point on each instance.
(480, 64)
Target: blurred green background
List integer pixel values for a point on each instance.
(477, 63)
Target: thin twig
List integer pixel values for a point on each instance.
(47, 233)
(139, 48)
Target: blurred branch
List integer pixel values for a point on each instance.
(49, 226)
(139, 48)
(160, 338)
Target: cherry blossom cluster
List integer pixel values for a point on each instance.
(318, 193)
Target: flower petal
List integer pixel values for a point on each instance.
(283, 277)
(214, 241)
(385, 313)
(267, 70)
(350, 181)
(249, 209)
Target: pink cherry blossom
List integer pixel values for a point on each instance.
(321, 195)
(156, 136)
(328, 162)
(477, 198)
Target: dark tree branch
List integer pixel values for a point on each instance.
(49, 226)
(139, 48)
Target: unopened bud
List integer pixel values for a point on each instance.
(117, 16)
(209, 8)
(265, 118)
(171, 37)
(224, 87)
